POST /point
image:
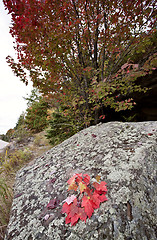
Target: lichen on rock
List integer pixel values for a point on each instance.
(123, 154)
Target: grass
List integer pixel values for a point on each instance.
(13, 162)
(6, 196)
(10, 164)
(5, 199)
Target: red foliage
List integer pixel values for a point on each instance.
(67, 46)
(88, 198)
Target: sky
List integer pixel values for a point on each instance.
(12, 90)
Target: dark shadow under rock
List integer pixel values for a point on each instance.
(123, 154)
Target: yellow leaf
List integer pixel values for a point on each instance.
(82, 187)
(98, 178)
(72, 186)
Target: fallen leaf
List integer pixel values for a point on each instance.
(74, 219)
(73, 209)
(68, 219)
(86, 203)
(72, 186)
(86, 178)
(82, 187)
(102, 198)
(65, 208)
(93, 135)
(46, 217)
(72, 179)
(82, 214)
(53, 204)
(95, 200)
(98, 178)
(52, 180)
(70, 199)
(100, 187)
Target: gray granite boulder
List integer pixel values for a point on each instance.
(123, 154)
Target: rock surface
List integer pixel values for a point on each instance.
(3, 144)
(123, 154)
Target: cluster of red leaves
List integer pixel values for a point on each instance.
(88, 199)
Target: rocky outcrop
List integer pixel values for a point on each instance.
(123, 154)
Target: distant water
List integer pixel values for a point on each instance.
(3, 144)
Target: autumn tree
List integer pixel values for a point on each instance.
(77, 51)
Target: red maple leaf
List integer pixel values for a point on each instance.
(95, 200)
(100, 187)
(74, 213)
(78, 178)
(73, 209)
(82, 214)
(68, 219)
(74, 219)
(82, 208)
(72, 179)
(86, 178)
(65, 208)
(102, 198)
(87, 204)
